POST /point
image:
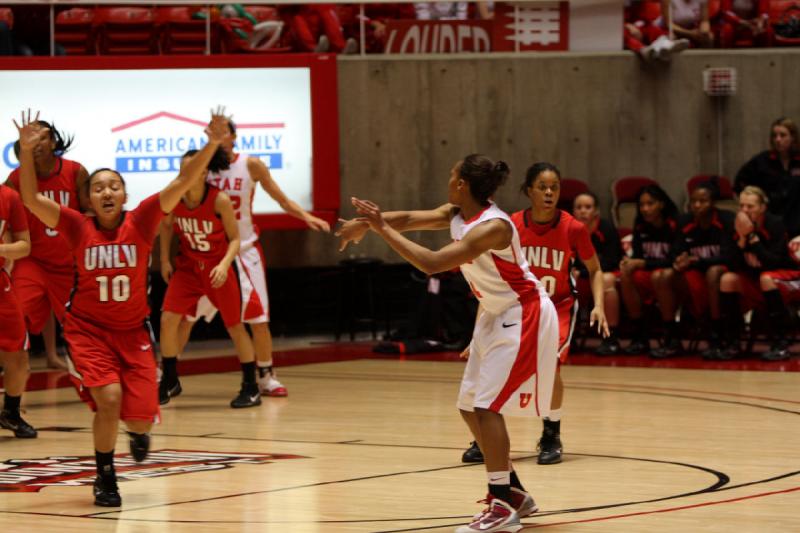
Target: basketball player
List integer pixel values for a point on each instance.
(551, 241)
(208, 243)
(15, 243)
(238, 175)
(43, 280)
(512, 356)
(111, 355)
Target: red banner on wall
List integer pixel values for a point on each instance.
(438, 36)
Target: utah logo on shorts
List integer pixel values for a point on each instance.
(32, 475)
(524, 399)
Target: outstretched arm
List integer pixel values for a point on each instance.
(260, 173)
(165, 246)
(195, 169)
(353, 230)
(41, 206)
(490, 235)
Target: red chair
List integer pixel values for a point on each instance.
(127, 30)
(75, 31)
(181, 33)
(7, 16)
(782, 12)
(623, 192)
(232, 41)
(570, 189)
(727, 197)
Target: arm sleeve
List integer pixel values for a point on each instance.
(583, 242)
(69, 225)
(18, 220)
(638, 250)
(147, 216)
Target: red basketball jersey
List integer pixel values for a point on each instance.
(12, 215)
(47, 246)
(112, 266)
(200, 230)
(551, 248)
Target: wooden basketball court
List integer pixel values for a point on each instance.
(374, 445)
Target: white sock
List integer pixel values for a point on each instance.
(499, 478)
(555, 415)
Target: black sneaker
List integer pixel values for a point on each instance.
(106, 493)
(637, 346)
(473, 454)
(13, 421)
(730, 353)
(248, 396)
(671, 348)
(712, 351)
(549, 448)
(140, 445)
(779, 351)
(167, 391)
(608, 346)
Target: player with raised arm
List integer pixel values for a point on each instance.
(111, 356)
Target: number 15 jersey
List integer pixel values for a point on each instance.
(551, 248)
(112, 265)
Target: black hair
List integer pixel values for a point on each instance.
(98, 171)
(483, 175)
(189, 153)
(711, 185)
(591, 195)
(669, 211)
(232, 127)
(536, 169)
(62, 142)
(219, 161)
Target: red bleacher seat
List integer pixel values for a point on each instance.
(7, 16)
(782, 12)
(623, 192)
(75, 31)
(570, 188)
(127, 30)
(181, 33)
(727, 197)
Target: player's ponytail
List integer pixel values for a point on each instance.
(62, 142)
(483, 175)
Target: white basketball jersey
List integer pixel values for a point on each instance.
(498, 278)
(237, 183)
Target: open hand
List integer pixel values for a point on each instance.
(219, 275)
(30, 132)
(218, 129)
(352, 230)
(371, 213)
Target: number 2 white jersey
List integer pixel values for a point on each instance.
(498, 278)
(241, 187)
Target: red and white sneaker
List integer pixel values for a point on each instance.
(500, 517)
(270, 386)
(523, 503)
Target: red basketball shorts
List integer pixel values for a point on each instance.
(40, 291)
(13, 336)
(99, 356)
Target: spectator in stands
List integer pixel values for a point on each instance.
(744, 21)
(688, 19)
(441, 10)
(316, 28)
(647, 275)
(762, 259)
(702, 251)
(376, 18)
(645, 34)
(605, 240)
(777, 172)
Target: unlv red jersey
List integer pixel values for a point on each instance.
(112, 265)
(61, 186)
(551, 248)
(200, 230)
(12, 214)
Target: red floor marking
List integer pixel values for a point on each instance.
(671, 509)
(329, 353)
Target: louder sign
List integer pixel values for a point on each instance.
(438, 36)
